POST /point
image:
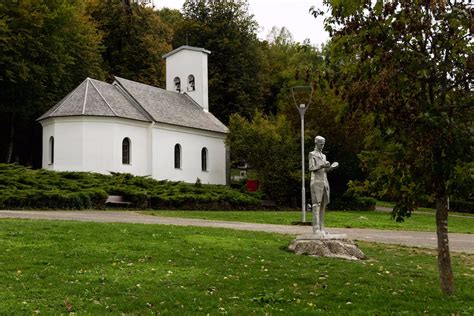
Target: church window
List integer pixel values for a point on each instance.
(177, 156)
(191, 83)
(204, 159)
(51, 150)
(126, 151)
(177, 84)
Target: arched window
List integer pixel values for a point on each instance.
(177, 84)
(204, 159)
(126, 151)
(191, 83)
(177, 156)
(51, 150)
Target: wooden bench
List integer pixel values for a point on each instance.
(268, 203)
(117, 200)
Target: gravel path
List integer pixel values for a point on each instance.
(457, 242)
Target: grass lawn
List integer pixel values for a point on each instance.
(52, 267)
(354, 219)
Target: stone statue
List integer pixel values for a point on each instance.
(319, 167)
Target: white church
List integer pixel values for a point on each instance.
(135, 128)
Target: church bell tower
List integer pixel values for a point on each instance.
(186, 72)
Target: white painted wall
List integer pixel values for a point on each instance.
(183, 63)
(95, 144)
(166, 137)
(68, 144)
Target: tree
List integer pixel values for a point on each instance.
(229, 32)
(135, 39)
(405, 71)
(293, 64)
(46, 49)
(268, 144)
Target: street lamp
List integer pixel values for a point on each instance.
(302, 99)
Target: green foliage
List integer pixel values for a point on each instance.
(291, 64)
(351, 202)
(22, 187)
(463, 181)
(46, 49)
(461, 206)
(228, 30)
(269, 146)
(404, 74)
(135, 38)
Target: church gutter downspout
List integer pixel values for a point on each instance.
(151, 128)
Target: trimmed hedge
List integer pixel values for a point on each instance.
(24, 188)
(350, 202)
(461, 206)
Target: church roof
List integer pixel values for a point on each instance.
(96, 98)
(171, 107)
(197, 49)
(132, 100)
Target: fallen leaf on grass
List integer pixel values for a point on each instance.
(68, 305)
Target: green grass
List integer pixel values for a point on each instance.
(94, 268)
(348, 219)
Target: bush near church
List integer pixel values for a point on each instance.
(25, 188)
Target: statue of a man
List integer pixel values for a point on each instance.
(319, 166)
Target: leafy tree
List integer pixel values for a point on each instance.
(269, 146)
(229, 32)
(135, 38)
(46, 48)
(287, 64)
(294, 64)
(405, 71)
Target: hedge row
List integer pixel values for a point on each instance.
(462, 206)
(350, 202)
(22, 187)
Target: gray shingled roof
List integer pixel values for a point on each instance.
(171, 107)
(129, 99)
(96, 98)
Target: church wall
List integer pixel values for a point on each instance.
(94, 144)
(103, 146)
(67, 144)
(165, 137)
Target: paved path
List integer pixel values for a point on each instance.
(458, 242)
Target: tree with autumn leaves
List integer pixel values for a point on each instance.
(405, 71)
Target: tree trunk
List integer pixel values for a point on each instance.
(11, 140)
(444, 258)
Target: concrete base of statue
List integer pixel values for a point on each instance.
(322, 244)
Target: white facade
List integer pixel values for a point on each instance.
(94, 144)
(183, 63)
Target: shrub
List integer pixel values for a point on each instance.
(21, 187)
(351, 202)
(462, 206)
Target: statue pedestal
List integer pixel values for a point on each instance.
(326, 245)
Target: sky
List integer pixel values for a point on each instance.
(292, 14)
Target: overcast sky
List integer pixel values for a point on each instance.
(292, 14)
